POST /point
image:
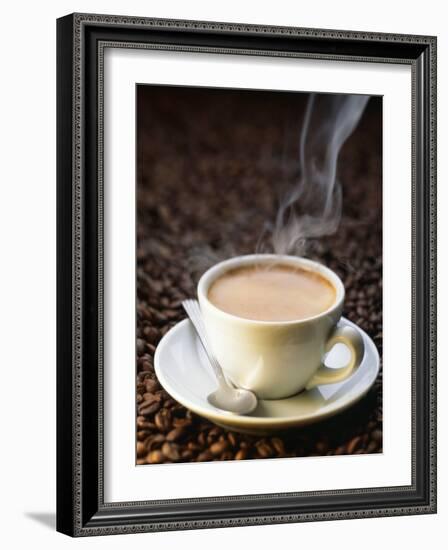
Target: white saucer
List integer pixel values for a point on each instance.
(183, 371)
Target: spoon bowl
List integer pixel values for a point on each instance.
(238, 401)
(226, 397)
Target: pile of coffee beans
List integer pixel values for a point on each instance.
(209, 180)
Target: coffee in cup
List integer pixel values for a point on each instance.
(276, 292)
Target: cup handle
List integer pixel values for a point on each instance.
(351, 338)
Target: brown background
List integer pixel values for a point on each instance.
(212, 165)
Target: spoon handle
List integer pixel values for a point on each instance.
(193, 311)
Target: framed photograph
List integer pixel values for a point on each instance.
(246, 274)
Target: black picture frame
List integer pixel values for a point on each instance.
(81, 39)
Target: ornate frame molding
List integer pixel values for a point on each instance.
(82, 39)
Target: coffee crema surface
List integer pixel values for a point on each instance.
(272, 293)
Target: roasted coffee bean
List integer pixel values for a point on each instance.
(151, 335)
(205, 456)
(171, 314)
(151, 385)
(264, 449)
(151, 347)
(147, 366)
(141, 435)
(145, 426)
(154, 441)
(141, 345)
(278, 445)
(170, 451)
(353, 445)
(176, 434)
(219, 447)
(149, 409)
(151, 398)
(154, 457)
(141, 449)
(163, 420)
(241, 454)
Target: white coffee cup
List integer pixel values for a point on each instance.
(277, 359)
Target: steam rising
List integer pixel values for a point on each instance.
(312, 208)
